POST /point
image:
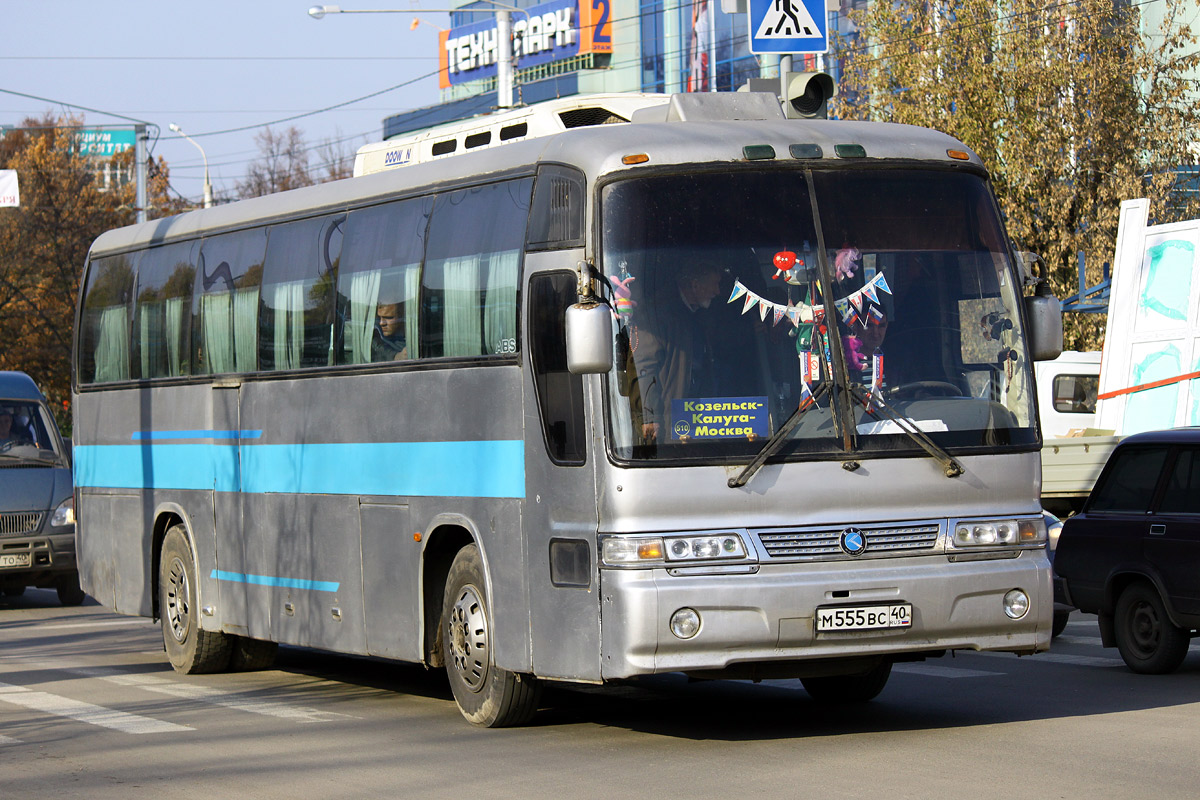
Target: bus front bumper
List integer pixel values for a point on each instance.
(769, 617)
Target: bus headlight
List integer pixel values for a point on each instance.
(999, 532)
(703, 548)
(618, 551)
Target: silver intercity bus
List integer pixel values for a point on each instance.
(690, 388)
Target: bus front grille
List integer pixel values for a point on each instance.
(814, 544)
(20, 522)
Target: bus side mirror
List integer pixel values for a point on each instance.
(589, 338)
(1043, 312)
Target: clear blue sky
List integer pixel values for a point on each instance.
(214, 65)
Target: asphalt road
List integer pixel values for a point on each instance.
(90, 708)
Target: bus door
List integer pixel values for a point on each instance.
(235, 616)
(560, 501)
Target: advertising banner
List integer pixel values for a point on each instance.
(542, 34)
(10, 192)
(104, 143)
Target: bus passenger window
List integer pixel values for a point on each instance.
(379, 279)
(104, 343)
(296, 317)
(225, 311)
(469, 304)
(163, 318)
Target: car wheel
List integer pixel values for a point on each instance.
(849, 689)
(487, 696)
(69, 593)
(190, 649)
(1060, 623)
(1147, 639)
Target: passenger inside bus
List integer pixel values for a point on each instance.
(388, 343)
(674, 355)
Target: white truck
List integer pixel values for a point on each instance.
(1151, 358)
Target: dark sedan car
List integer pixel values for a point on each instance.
(1132, 555)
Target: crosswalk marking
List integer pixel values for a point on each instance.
(85, 712)
(209, 695)
(1063, 658)
(100, 623)
(8, 739)
(935, 671)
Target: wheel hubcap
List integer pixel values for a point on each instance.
(467, 635)
(178, 610)
(1144, 628)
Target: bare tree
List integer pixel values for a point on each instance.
(282, 164)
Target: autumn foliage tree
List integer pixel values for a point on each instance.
(1073, 106)
(44, 243)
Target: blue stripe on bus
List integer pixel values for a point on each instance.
(267, 580)
(415, 469)
(140, 436)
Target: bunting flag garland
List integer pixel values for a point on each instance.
(853, 309)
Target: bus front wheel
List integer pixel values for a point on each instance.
(487, 696)
(190, 649)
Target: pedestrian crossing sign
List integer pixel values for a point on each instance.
(788, 26)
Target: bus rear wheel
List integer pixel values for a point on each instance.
(487, 696)
(190, 649)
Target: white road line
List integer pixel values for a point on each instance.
(1063, 658)
(8, 739)
(100, 623)
(85, 712)
(935, 671)
(1093, 641)
(206, 694)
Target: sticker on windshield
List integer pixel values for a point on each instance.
(719, 418)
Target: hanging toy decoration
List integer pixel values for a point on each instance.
(845, 262)
(784, 262)
(624, 300)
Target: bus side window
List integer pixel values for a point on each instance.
(556, 220)
(381, 267)
(296, 314)
(225, 308)
(104, 330)
(559, 393)
(163, 320)
(473, 260)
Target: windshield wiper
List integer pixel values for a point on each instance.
(777, 439)
(906, 424)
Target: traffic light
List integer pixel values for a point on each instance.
(805, 95)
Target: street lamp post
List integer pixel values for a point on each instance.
(208, 197)
(503, 13)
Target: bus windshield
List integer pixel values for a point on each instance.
(731, 319)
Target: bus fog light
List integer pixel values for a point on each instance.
(685, 623)
(1016, 604)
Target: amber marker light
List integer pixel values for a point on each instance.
(960, 155)
(417, 536)
(650, 549)
(635, 158)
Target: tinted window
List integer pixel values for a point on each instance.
(472, 263)
(104, 329)
(1129, 484)
(1182, 495)
(225, 314)
(557, 217)
(560, 394)
(296, 317)
(162, 326)
(379, 279)
(1076, 394)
